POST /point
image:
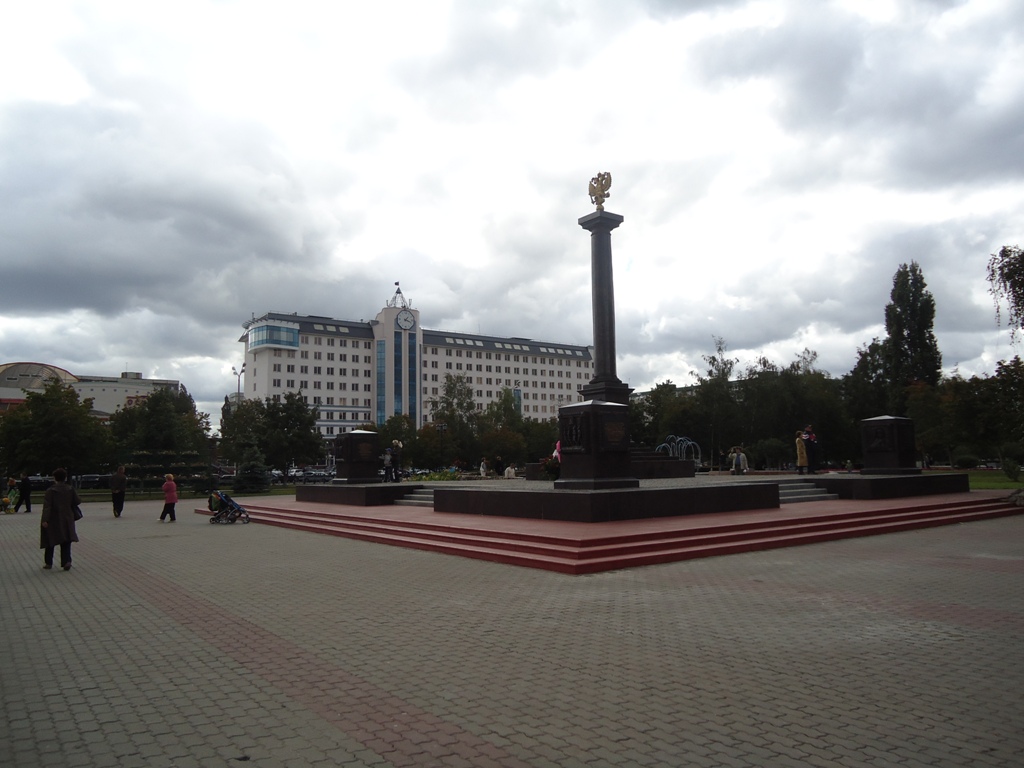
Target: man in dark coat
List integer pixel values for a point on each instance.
(57, 527)
(24, 494)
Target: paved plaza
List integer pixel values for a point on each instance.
(190, 644)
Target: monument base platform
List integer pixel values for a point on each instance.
(370, 494)
(606, 505)
(892, 485)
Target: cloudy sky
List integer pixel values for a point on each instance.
(167, 170)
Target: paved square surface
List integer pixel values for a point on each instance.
(190, 644)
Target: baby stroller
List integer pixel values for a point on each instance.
(225, 509)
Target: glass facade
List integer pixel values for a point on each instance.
(382, 381)
(413, 377)
(264, 335)
(398, 372)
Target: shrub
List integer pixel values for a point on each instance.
(552, 468)
(966, 462)
(1012, 469)
(444, 474)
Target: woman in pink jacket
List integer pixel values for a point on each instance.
(170, 498)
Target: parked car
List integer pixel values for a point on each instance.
(40, 482)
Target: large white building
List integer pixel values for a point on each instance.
(365, 372)
(109, 393)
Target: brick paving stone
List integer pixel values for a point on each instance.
(200, 647)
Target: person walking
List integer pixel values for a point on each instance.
(118, 487)
(170, 498)
(24, 494)
(801, 453)
(57, 525)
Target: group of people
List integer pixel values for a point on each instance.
(61, 510)
(507, 471)
(392, 460)
(19, 492)
(807, 455)
(806, 451)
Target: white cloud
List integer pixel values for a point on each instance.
(169, 171)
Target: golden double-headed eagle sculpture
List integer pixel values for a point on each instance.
(599, 186)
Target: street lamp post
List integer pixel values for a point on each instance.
(238, 376)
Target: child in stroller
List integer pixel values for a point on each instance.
(225, 509)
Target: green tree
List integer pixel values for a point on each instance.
(455, 415)
(650, 413)
(716, 403)
(865, 388)
(241, 426)
(283, 432)
(910, 351)
(540, 437)
(926, 408)
(166, 421)
(51, 429)
(162, 433)
(427, 450)
(1006, 283)
(502, 413)
(1010, 392)
(399, 427)
(252, 472)
(290, 434)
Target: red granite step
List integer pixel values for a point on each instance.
(577, 548)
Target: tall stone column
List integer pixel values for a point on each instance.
(605, 384)
(594, 434)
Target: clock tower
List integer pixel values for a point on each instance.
(397, 340)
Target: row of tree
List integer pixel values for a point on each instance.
(763, 405)
(54, 428)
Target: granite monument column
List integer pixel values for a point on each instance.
(594, 434)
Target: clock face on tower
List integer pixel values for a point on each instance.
(405, 320)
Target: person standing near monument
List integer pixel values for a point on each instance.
(118, 487)
(811, 445)
(24, 494)
(801, 453)
(739, 461)
(396, 460)
(57, 525)
(170, 490)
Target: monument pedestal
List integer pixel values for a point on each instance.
(594, 439)
(889, 446)
(357, 458)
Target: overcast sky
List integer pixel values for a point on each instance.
(168, 170)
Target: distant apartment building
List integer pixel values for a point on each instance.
(357, 372)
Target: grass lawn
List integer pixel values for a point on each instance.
(992, 480)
